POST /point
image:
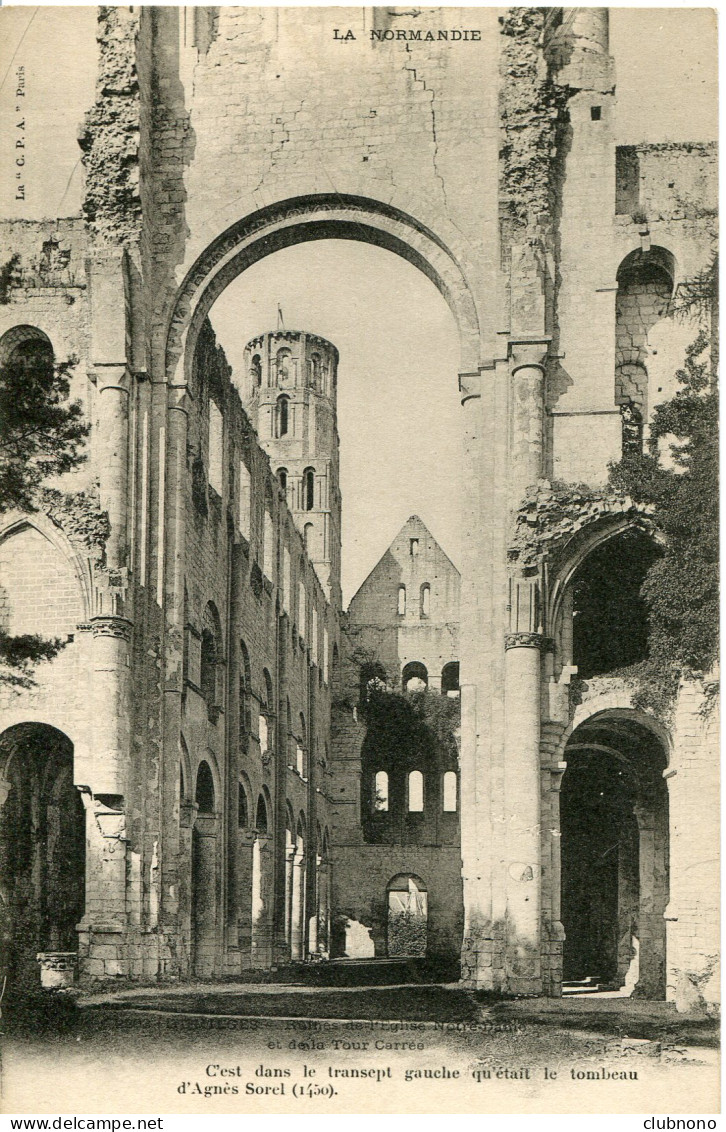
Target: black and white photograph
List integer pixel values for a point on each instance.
(359, 561)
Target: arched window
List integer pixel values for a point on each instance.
(261, 817)
(609, 616)
(268, 690)
(315, 370)
(425, 600)
(28, 352)
(450, 792)
(284, 366)
(401, 601)
(302, 609)
(256, 371)
(283, 416)
(415, 677)
(242, 808)
(268, 547)
(415, 792)
(266, 712)
(210, 658)
(301, 753)
(308, 537)
(308, 489)
(204, 795)
(282, 479)
(380, 792)
(244, 500)
(450, 679)
(245, 688)
(645, 285)
(373, 679)
(216, 448)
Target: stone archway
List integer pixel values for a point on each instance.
(407, 916)
(300, 220)
(614, 856)
(42, 847)
(204, 879)
(283, 224)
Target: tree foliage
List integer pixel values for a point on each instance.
(41, 430)
(41, 435)
(411, 722)
(678, 475)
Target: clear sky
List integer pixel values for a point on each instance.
(398, 400)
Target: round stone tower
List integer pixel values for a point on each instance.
(290, 392)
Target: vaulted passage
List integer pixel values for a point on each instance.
(42, 846)
(614, 824)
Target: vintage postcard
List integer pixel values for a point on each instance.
(358, 560)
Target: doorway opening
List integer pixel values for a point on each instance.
(407, 916)
(614, 826)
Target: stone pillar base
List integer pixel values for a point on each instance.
(57, 969)
(693, 978)
(482, 962)
(553, 939)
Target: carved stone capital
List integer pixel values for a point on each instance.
(112, 377)
(528, 353)
(118, 627)
(469, 385)
(526, 641)
(187, 814)
(178, 398)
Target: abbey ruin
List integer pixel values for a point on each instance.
(194, 786)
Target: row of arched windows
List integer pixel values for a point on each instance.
(415, 792)
(285, 370)
(424, 600)
(415, 677)
(307, 500)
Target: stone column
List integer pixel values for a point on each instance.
(476, 831)
(114, 384)
(262, 902)
(245, 881)
(527, 357)
(289, 873)
(204, 888)
(102, 930)
(112, 706)
(522, 787)
(109, 319)
(297, 910)
(323, 932)
(174, 501)
(554, 933)
(652, 903)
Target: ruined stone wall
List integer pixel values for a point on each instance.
(638, 198)
(427, 630)
(371, 848)
(47, 288)
(226, 568)
(394, 122)
(360, 880)
(693, 914)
